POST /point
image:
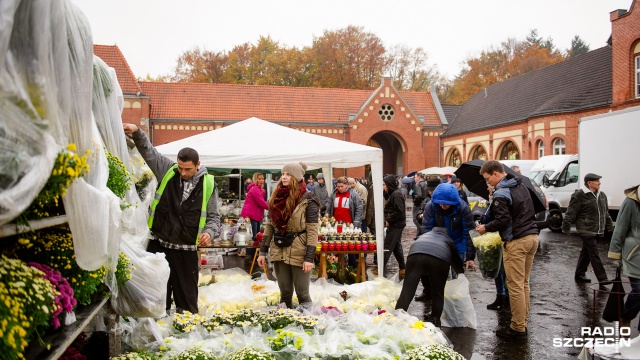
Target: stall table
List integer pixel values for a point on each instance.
(362, 268)
(255, 254)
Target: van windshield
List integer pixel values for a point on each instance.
(538, 175)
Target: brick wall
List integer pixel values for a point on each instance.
(524, 135)
(625, 30)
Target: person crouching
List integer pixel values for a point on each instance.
(430, 256)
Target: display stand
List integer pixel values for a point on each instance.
(61, 341)
(362, 268)
(255, 255)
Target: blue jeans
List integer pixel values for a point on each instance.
(255, 229)
(632, 305)
(501, 282)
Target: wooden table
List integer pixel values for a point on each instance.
(255, 255)
(361, 274)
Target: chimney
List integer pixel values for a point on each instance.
(485, 92)
(616, 14)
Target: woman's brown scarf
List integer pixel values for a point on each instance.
(279, 217)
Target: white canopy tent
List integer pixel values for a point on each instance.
(259, 144)
(435, 170)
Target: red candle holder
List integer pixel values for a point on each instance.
(352, 247)
(325, 246)
(358, 246)
(332, 247)
(345, 247)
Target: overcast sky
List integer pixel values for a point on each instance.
(153, 33)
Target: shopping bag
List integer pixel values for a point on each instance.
(615, 302)
(458, 309)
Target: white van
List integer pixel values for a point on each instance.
(524, 165)
(558, 176)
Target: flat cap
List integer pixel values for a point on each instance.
(591, 177)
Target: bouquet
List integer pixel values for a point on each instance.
(250, 354)
(435, 351)
(489, 252)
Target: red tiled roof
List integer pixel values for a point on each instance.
(238, 102)
(198, 101)
(111, 55)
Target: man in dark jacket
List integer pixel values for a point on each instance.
(590, 212)
(419, 195)
(183, 216)
(430, 256)
(514, 218)
(431, 187)
(395, 220)
(320, 189)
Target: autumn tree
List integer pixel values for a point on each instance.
(348, 58)
(410, 71)
(198, 65)
(494, 65)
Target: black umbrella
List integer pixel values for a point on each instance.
(469, 174)
(411, 174)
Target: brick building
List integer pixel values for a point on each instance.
(537, 113)
(525, 117)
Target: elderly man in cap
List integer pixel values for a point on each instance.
(320, 189)
(590, 212)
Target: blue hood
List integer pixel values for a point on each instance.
(446, 194)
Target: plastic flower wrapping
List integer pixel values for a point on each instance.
(489, 252)
(54, 247)
(68, 166)
(345, 321)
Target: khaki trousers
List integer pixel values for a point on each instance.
(518, 260)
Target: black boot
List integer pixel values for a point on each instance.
(499, 303)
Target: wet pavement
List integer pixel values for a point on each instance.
(559, 305)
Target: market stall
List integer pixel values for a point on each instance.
(259, 144)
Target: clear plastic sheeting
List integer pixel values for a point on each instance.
(144, 295)
(107, 105)
(33, 125)
(458, 308)
(88, 221)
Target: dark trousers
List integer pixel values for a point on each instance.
(589, 254)
(393, 243)
(255, 229)
(414, 213)
(632, 305)
(501, 282)
(183, 279)
(420, 266)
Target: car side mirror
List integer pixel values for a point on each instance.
(545, 181)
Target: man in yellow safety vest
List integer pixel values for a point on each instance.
(183, 215)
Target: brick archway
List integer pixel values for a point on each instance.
(393, 151)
